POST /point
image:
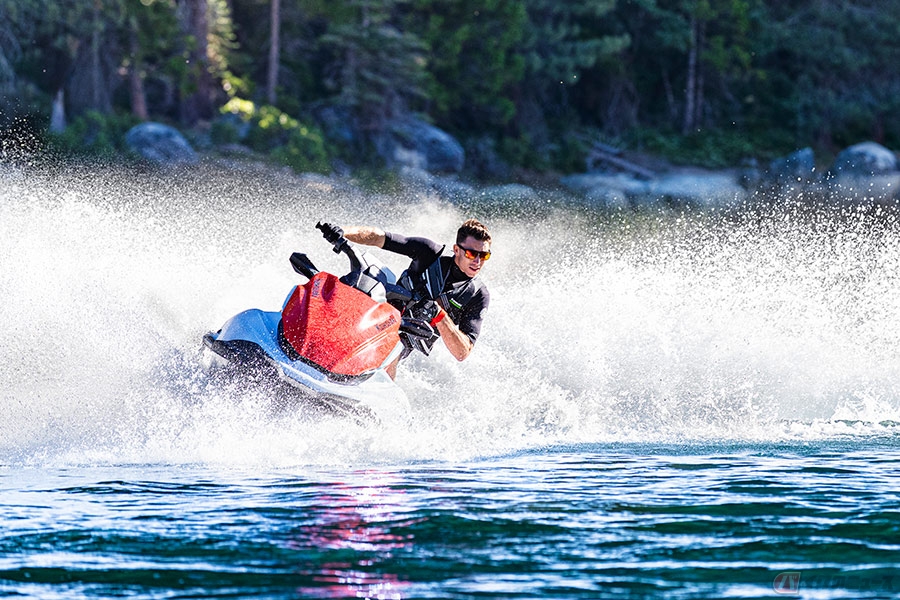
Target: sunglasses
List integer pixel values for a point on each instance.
(473, 254)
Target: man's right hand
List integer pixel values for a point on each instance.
(332, 233)
(424, 310)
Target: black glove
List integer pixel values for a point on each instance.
(424, 310)
(331, 233)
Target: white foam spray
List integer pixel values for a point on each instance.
(641, 327)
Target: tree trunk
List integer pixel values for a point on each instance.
(138, 97)
(700, 78)
(274, 52)
(196, 101)
(698, 98)
(58, 113)
(96, 67)
(670, 95)
(690, 90)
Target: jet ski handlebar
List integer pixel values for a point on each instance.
(335, 235)
(365, 275)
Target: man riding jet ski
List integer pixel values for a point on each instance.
(340, 339)
(333, 339)
(457, 292)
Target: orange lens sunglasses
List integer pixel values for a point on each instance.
(473, 254)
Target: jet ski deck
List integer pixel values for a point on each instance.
(376, 398)
(333, 340)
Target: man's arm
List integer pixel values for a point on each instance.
(457, 342)
(368, 236)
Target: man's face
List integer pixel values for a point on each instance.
(476, 250)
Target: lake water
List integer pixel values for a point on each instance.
(661, 405)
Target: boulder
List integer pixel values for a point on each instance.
(596, 184)
(510, 194)
(694, 188)
(447, 187)
(410, 142)
(160, 144)
(485, 162)
(871, 189)
(864, 173)
(701, 189)
(614, 191)
(863, 160)
(797, 167)
(608, 198)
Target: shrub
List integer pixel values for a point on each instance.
(95, 135)
(287, 140)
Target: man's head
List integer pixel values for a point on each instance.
(472, 247)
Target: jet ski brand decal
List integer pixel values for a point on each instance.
(316, 289)
(385, 324)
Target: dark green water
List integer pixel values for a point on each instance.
(659, 406)
(613, 521)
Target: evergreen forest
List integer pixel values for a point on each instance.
(529, 83)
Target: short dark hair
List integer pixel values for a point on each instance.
(472, 228)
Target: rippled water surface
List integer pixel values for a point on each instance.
(630, 521)
(661, 405)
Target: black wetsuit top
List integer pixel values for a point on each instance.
(423, 253)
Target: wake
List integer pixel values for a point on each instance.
(634, 327)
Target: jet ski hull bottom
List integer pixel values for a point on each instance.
(249, 343)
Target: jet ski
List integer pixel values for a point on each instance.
(332, 341)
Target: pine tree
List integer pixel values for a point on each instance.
(473, 63)
(378, 71)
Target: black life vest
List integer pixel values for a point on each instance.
(453, 299)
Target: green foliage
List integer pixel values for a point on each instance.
(835, 62)
(304, 151)
(378, 70)
(566, 155)
(292, 143)
(94, 135)
(724, 41)
(569, 155)
(711, 148)
(473, 62)
(564, 39)
(749, 77)
(520, 151)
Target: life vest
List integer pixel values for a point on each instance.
(454, 299)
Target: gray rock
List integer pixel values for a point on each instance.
(160, 144)
(864, 159)
(447, 187)
(596, 183)
(416, 176)
(701, 189)
(797, 167)
(452, 189)
(863, 173)
(608, 198)
(410, 142)
(510, 193)
(704, 189)
(868, 189)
